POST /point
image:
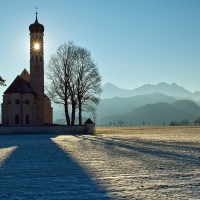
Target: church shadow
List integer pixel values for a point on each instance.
(39, 169)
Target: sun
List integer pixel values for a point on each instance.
(36, 46)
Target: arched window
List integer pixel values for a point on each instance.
(27, 119)
(27, 101)
(16, 119)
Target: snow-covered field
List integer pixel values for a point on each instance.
(129, 164)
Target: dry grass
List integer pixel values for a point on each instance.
(175, 133)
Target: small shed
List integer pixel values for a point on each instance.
(89, 126)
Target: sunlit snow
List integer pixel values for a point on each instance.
(100, 166)
(5, 153)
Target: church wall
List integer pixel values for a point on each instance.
(34, 113)
(28, 109)
(18, 109)
(24, 106)
(48, 129)
(48, 111)
(5, 109)
(15, 109)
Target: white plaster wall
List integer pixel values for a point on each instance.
(22, 109)
(28, 109)
(48, 111)
(34, 113)
(5, 109)
(16, 109)
(89, 128)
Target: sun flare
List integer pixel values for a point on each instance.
(36, 46)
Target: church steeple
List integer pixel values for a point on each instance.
(36, 20)
(37, 67)
(36, 27)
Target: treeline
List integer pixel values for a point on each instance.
(180, 123)
(197, 122)
(185, 123)
(62, 121)
(172, 123)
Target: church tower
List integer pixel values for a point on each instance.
(24, 101)
(37, 68)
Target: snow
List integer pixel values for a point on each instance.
(116, 166)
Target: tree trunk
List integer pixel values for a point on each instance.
(67, 115)
(73, 112)
(80, 112)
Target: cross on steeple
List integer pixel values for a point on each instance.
(36, 20)
(36, 10)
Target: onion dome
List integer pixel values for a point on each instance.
(36, 27)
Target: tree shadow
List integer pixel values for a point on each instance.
(39, 169)
(169, 151)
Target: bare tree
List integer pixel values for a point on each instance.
(73, 80)
(59, 75)
(94, 117)
(2, 81)
(120, 123)
(88, 82)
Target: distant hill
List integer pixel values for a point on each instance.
(156, 114)
(110, 90)
(187, 106)
(119, 105)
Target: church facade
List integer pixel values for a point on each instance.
(24, 101)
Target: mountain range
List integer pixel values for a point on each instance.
(157, 113)
(153, 104)
(120, 105)
(110, 90)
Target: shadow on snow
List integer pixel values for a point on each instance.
(167, 151)
(39, 169)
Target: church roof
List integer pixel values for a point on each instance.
(89, 121)
(25, 75)
(19, 85)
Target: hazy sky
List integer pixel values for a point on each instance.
(134, 42)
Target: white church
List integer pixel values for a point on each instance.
(24, 101)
